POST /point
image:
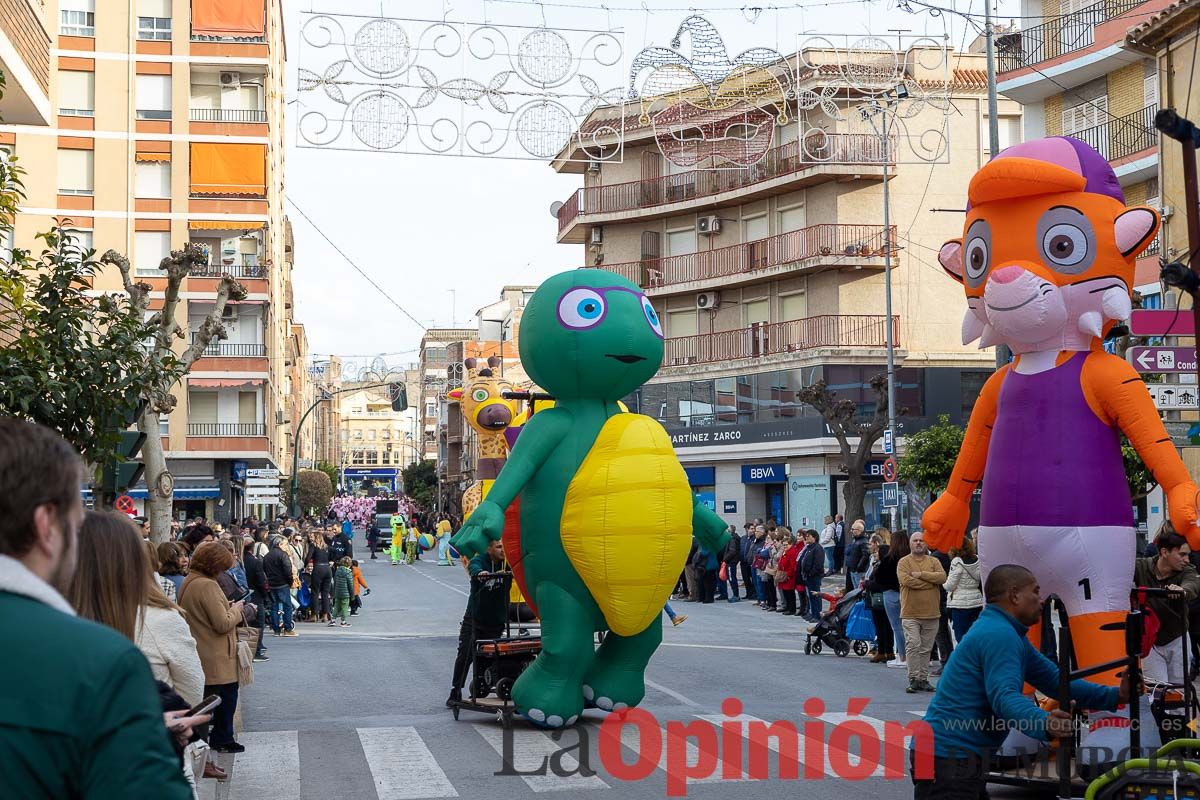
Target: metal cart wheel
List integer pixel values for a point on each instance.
(841, 648)
(861, 648)
(504, 689)
(482, 687)
(816, 647)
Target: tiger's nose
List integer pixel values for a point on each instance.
(1006, 274)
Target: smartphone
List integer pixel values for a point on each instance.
(204, 706)
(246, 597)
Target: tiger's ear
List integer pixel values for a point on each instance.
(950, 257)
(1135, 228)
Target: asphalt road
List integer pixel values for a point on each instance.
(359, 712)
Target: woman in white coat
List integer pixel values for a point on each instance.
(964, 587)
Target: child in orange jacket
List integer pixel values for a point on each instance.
(355, 602)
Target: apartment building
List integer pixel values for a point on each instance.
(435, 382)
(770, 277)
(376, 442)
(25, 36)
(325, 375)
(301, 395)
(1074, 74)
(167, 127)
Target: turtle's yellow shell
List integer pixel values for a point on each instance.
(627, 521)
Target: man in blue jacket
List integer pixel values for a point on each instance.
(979, 697)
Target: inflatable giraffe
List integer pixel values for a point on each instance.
(484, 408)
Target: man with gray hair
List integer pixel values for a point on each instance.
(921, 577)
(280, 577)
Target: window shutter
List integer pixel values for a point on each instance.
(75, 170)
(1150, 89)
(76, 90)
(154, 8)
(650, 244)
(77, 5)
(152, 179)
(149, 249)
(153, 93)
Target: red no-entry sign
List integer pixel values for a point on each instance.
(124, 504)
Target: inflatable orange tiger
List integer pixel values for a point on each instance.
(1047, 260)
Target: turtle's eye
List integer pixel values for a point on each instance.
(652, 316)
(580, 309)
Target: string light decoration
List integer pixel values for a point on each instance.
(395, 85)
(708, 110)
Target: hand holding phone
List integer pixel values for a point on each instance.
(204, 706)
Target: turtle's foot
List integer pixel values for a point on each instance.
(613, 688)
(546, 700)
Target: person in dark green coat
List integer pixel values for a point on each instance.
(80, 715)
(343, 590)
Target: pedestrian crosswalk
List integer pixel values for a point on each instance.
(407, 763)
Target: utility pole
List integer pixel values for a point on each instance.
(1185, 274)
(1003, 354)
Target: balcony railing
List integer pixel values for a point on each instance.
(767, 339)
(1123, 136)
(199, 37)
(227, 115)
(786, 159)
(234, 270)
(1058, 36)
(229, 350)
(835, 241)
(226, 429)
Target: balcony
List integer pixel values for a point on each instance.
(227, 115)
(786, 167)
(1122, 139)
(1069, 50)
(228, 350)
(25, 61)
(226, 429)
(1060, 36)
(199, 37)
(234, 270)
(808, 248)
(780, 339)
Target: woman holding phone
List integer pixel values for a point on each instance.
(114, 585)
(213, 620)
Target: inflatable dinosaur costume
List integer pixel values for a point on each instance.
(606, 516)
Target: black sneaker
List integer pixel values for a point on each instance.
(913, 687)
(231, 747)
(925, 686)
(261, 657)
(455, 697)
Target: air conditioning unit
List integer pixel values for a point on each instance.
(707, 301)
(1167, 211)
(593, 166)
(231, 80)
(708, 225)
(596, 235)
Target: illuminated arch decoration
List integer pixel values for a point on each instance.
(382, 84)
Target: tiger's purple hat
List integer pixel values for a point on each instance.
(1071, 154)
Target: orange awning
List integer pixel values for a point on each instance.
(229, 168)
(153, 157)
(218, 225)
(229, 17)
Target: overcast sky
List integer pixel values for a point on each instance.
(424, 225)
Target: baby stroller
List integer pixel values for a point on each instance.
(834, 629)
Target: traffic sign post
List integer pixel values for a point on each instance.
(125, 505)
(1173, 396)
(1162, 359)
(889, 469)
(891, 495)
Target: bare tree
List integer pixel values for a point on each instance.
(842, 419)
(160, 484)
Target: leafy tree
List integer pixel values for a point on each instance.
(1141, 480)
(69, 360)
(420, 483)
(929, 455)
(844, 423)
(315, 490)
(330, 470)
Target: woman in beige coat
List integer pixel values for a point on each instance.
(213, 620)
